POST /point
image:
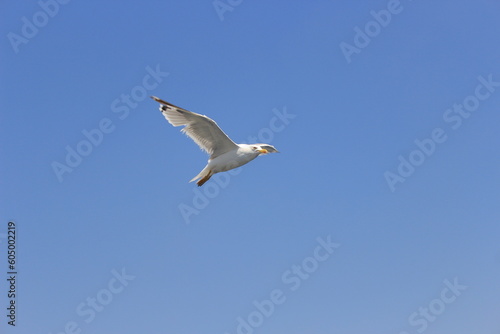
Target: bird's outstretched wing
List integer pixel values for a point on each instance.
(203, 130)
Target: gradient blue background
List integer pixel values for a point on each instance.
(120, 207)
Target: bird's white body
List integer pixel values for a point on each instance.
(224, 153)
(233, 159)
(229, 160)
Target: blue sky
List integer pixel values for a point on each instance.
(379, 216)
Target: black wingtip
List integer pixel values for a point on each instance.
(158, 100)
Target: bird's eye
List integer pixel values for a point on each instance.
(255, 147)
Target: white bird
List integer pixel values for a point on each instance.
(224, 153)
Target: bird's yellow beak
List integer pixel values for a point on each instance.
(263, 151)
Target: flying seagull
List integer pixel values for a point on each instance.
(224, 153)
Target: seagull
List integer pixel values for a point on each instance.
(224, 153)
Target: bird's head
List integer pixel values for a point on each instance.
(264, 148)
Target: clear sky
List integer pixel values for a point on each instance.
(380, 214)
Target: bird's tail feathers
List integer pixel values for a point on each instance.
(204, 175)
